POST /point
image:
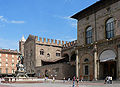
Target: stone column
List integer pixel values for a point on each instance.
(77, 60)
(95, 63)
(118, 64)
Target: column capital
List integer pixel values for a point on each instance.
(76, 52)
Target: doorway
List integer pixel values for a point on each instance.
(109, 69)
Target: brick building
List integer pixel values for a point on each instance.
(98, 38)
(8, 61)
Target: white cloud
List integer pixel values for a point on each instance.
(17, 22)
(4, 20)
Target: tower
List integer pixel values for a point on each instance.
(21, 45)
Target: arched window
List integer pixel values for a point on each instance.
(41, 52)
(58, 53)
(89, 35)
(110, 28)
(48, 55)
(86, 60)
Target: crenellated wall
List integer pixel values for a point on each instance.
(49, 41)
(69, 44)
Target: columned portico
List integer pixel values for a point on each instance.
(95, 63)
(118, 67)
(77, 60)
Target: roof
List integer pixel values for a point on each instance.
(52, 59)
(23, 39)
(93, 8)
(9, 51)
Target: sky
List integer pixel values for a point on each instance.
(43, 18)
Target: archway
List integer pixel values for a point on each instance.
(108, 65)
(66, 58)
(73, 57)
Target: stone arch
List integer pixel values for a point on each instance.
(73, 56)
(108, 64)
(105, 54)
(86, 55)
(66, 57)
(104, 49)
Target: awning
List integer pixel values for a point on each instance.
(107, 55)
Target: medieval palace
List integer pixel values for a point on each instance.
(94, 55)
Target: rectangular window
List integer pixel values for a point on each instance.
(13, 71)
(12, 56)
(12, 60)
(57, 54)
(86, 70)
(0, 70)
(41, 52)
(6, 60)
(0, 63)
(6, 55)
(6, 64)
(12, 64)
(6, 70)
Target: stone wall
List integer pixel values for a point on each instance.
(100, 17)
(59, 71)
(97, 21)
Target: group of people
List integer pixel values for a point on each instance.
(75, 79)
(108, 80)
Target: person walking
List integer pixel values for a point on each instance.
(53, 79)
(64, 80)
(74, 81)
(77, 81)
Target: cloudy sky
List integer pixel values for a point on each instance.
(43, 18)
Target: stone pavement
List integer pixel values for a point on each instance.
(61, 84)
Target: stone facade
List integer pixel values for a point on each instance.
(59, 71)
(41, 55)
(21, 45)
(90, 64)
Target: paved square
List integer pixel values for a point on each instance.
(67, 84)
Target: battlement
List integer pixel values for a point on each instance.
(70, 44)
(48, 41)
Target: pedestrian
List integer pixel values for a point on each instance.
(53, 79)
(68, 79)
(82, 79)
(110, 79)
(64, 80)
(77, 81)
(74, 81)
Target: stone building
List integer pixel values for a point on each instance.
(8, 61)
(21, 45)
(43, 58)
(98, 38)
